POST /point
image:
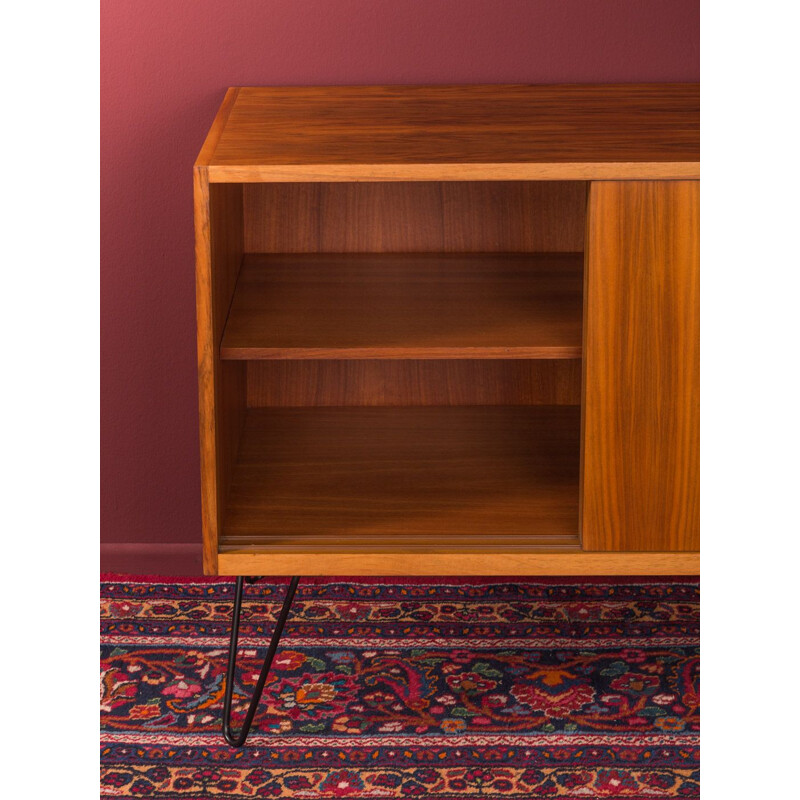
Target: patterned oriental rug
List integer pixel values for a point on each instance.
(404, 688)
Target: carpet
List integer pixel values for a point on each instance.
(404, 688)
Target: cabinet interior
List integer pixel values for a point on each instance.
(406, 361)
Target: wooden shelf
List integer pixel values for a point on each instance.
(412, 480)
(406, 306)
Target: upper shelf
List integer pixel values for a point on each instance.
(487, 305)
(492, 132)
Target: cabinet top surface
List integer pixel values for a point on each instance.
(491, 132)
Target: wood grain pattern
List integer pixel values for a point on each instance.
(404, 354)
(534, 171)
(498, 132)
(458, 217)
(414, 479)
(222, 386)
(641, 360)
(406, 306)
(413, 383)
(535, 562)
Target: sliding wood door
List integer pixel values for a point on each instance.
(640, 466)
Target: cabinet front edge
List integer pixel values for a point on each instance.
(331, 173)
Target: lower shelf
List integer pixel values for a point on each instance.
(461, 481)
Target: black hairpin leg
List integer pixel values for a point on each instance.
(230, 738)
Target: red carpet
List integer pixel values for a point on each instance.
(382, 688)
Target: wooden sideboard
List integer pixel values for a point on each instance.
(450, 330)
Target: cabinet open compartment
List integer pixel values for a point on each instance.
(400, 397)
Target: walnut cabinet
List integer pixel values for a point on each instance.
(450, 330)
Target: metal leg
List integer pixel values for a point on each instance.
(230, 738)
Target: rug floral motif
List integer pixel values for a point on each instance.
(457, 688)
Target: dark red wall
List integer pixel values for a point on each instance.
(165, 67)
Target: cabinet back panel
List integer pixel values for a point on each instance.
(413, 383)
(450, 217)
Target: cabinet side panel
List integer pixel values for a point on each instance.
(222, 386)
(640, 485)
